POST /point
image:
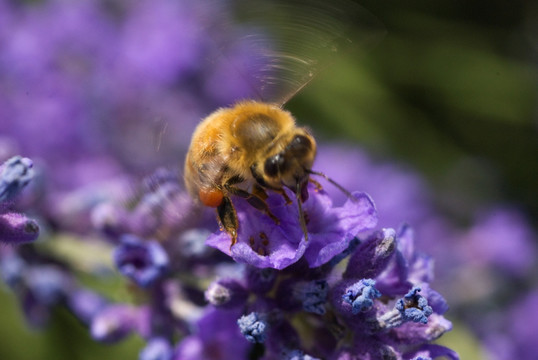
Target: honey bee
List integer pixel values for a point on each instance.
(256, 146)
(253, 144)
(245, 150)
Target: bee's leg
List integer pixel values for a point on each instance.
(259, 192)
(254, 200)
(284, 195)
(228, 218)
(316, 184)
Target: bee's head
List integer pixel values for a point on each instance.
(288, 167)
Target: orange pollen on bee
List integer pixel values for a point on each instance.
(211, 197)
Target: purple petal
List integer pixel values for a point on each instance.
(17, 229)
(372, 256)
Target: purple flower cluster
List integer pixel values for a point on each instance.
(348, 292)
(96, 92)
(490, 253)
(109, 82)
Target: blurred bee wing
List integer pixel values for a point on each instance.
(293, 40)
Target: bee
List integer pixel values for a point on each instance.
(245, 150)
(256, 146)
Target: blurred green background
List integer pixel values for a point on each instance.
(451, 90)
(449, 81)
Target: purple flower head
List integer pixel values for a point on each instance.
(414, 307)
(511, 334)
(361, 295)
(253, 326)
(85, 304)
(15, 174)
(400, 194)
(296, 295)
(406, 267)
(48, 284)
(372, 256)
(43, 287)
(17, 229)
(157, 349)
(502, 240)
(159, 208)
(12, 267)
(215, 336)
(226, 293)
(263, 243)
(161, 40)
(144, 262)
(260, 280)
(115, 322)
(312, 295)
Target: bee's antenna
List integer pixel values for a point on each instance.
(340, 187)
(301, 212)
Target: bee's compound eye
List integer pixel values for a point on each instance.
(300, 145)
(272, 165)
(211, 197)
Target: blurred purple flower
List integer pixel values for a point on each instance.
(115, 322)
(85, 304)
(216, 337)
(226, 293)
(501, 239)
(157, 349)
(144, 262)
(511, 334)
(15, 228)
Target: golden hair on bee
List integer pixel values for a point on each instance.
(245, 150)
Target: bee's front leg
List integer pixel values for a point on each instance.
(228, 218)
(254, 200)
(282, 192)
(316, 184)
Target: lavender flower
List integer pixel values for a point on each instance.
(226, 293)
(115, 322)
(144, 262)
(157, 349)
(414, 307)
(215, 337)
(511, 334)
(85, 304)
(15, 228)
(253, 327)
(266, 244)
(361, 295)
(15, 174)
